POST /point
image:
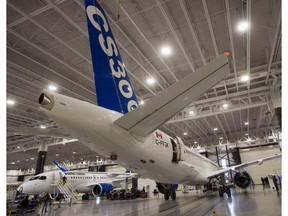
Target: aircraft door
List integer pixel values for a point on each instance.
(176, 151)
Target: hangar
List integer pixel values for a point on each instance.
(161, 42)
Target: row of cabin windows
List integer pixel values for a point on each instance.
(86, 177)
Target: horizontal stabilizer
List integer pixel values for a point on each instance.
(148, 117)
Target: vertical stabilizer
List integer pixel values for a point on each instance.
(113, 87)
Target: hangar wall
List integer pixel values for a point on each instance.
(268, 167)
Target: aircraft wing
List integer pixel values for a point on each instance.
(239, 166)
(148, 117)
(52, 132)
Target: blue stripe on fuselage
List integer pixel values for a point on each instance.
(113, 87)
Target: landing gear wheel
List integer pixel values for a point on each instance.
(173, 195)
(228, 192)
(221, 192)
(166, 195)
(85, 197)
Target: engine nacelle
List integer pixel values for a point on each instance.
(242, 179)
(101, 189)
(164, 187)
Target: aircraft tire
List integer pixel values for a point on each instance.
(173, 195)
(166, 195)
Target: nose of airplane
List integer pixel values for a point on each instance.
(20, 189)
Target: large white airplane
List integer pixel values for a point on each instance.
(117, 128)
(95, 183)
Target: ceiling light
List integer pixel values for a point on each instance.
(246, 123)
(243, 26)
(18, 161)
(166, 50)
(57, 155)
(225, 105)
(12, 163)
(52, 87)
(32, 158)
(141, 102)
(74, 152)
(195, 142)
(249, 139)
(191, 112)
(18, 147)
(215, 129)
(10, 102)
(244, 78)
(221, 138)
(42, 126)
(150, 80)
(185, 133)
(246, 134)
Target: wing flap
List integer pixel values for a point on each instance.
(239, 166)
(148, 117)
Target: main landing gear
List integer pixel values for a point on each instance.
(169, 193)
(224, 189)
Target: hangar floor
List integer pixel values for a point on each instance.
(250, 203)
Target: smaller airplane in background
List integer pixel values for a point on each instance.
(95, 183)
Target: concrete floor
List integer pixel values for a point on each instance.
(251, 203)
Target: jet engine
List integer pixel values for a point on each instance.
(242, 179)
(101, 189)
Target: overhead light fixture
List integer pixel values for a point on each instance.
(57, 155)
(166, 50)
(141, 102)
(74, 152)
(244, 78)
(150, 80)
(191, 112)
(249, 139)
(195, 142)
(185, 133)
(246, 123)
(10, 102)
(18, 161)
(215, 129)
(243, 26)
(225, 105)
(12, 162)
(42, 126)
(221, 138)
(246, 134)
(52, 87)
(32, 158)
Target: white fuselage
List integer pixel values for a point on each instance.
(82, 182)
(149, 156)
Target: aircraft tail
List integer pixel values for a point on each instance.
(113, 87)
(63, 169)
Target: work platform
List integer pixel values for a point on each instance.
(257, 202)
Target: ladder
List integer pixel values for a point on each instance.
(67, 190)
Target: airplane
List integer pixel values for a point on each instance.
(119, 129)
(95, 183)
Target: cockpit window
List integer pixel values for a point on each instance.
(42, 177)
(34, 178)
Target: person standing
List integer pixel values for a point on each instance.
(46, 200)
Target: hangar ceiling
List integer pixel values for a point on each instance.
(47, 43)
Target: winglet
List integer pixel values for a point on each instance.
(63, 169)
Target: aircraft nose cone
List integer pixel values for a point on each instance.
(20, 189)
